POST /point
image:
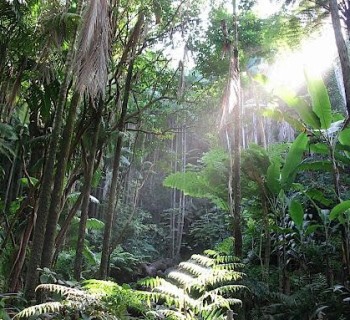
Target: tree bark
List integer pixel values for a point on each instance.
(342, 51)
(57, 193)
(47, 180)
(133, 41)
(115, 173)
(236, 114)
(88, 175)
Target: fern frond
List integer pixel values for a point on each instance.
(213, 315)
(217, 277)
(228, 289)
(219, 302)
(182, 278)
(67, 292)
(168, 314)
(152, 282)
(203, 260)
(39, 309)
(212, 253)
(216, 302)
(194, 268)
(100, 287)
(229, 266)
(226, 259)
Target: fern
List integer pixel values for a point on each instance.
(48, 307)
(73, 300)
(200, 287)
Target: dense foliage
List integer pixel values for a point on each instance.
(136, 135)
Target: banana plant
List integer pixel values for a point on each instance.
(328, 138)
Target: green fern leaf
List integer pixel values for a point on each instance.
(39, 309)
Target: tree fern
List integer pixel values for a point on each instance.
(204, 286)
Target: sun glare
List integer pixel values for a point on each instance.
(266, 8)
(315, 55)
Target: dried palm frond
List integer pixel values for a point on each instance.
(90, 65)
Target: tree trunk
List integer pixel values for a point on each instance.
(115, 173)
(236, 114)
(56, 199)
(132, 44)
(62, 233)
(89, 172)
(342, 51)
(47, 180)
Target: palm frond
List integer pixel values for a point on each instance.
(90, 67)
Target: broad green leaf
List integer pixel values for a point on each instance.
(318, 196)
(344, 137)
(319, 148)
(325, 165)
(307, 115)
(273, 177)
(293, 159)
(296, 212)
(320, 100)
(339, 209)
(312, 228)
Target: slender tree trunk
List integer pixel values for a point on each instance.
(46, 186)
(132, 44)
(115, 174)
(182, 202)
(57, 193)
(342, 50)
(236, 114)
(89, 172)
(112, 199)
(63, 231)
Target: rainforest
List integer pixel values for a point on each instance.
(175, 159)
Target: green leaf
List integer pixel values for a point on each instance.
(339, 209)
(307, 115)
(320, 100)
(344, 137)
(273, 176)
(318, 196)
(319, 148)
(24, 181)
(293, 160)
(94, 224)
(312, 228)
(296, 212)
(325, 166)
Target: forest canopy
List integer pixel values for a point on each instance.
(167, 159)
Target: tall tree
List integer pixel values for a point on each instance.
(130, 51)
(48, 175)
(232, 108)
(342, 50)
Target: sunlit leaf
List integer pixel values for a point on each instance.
(320, 100)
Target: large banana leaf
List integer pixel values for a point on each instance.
(305, 111)
(293, 160)
(320, 100)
